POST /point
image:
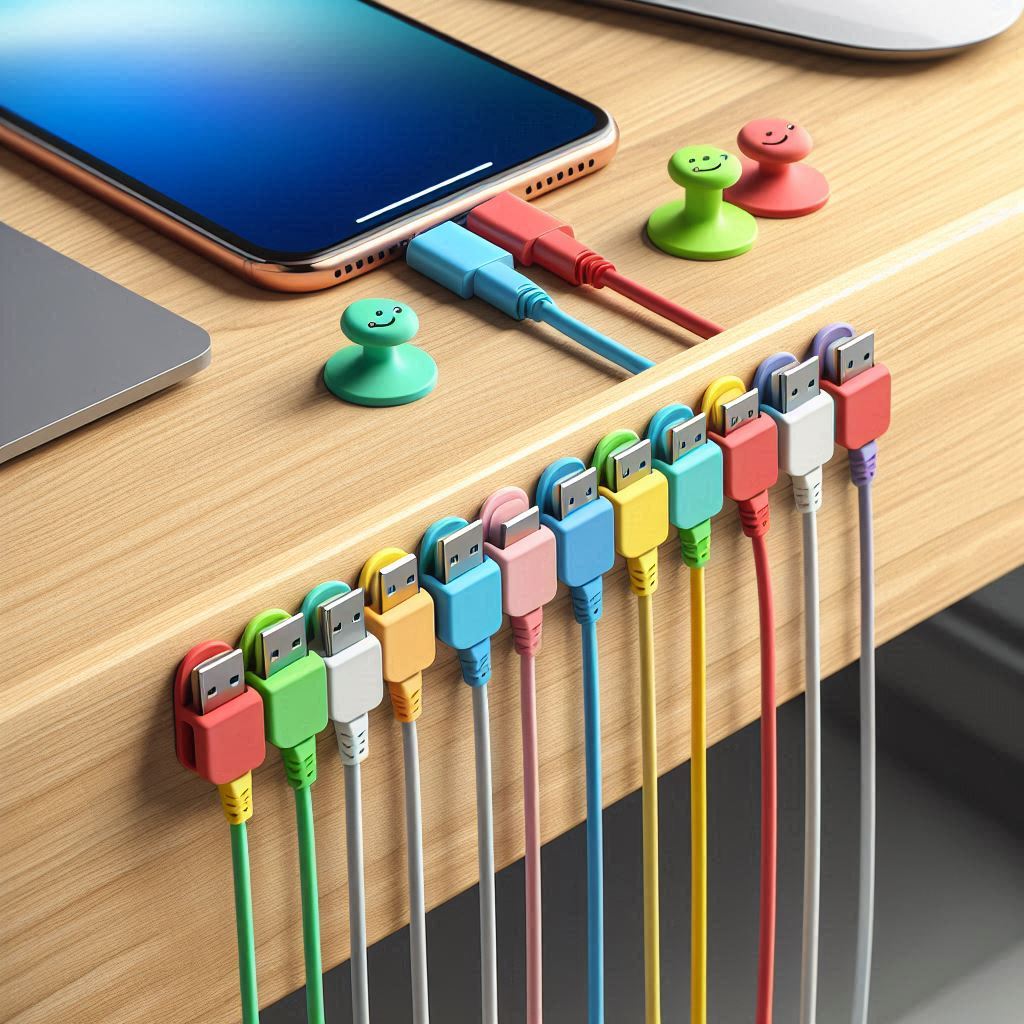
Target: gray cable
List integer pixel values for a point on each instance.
(866, 898)
(356, 893)
(414, 857)
(485, 857)
(812, 785)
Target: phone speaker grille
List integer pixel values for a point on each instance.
(371, 259)
(559, 177)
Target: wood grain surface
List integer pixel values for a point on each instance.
(178, 519)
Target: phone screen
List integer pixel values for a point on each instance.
(281, 128)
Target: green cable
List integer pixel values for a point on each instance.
(310, 906)
(243, 924)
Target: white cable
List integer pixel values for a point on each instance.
(414, 855)
(866, 897)
(356, 893)
(812, 785)
(485, 856)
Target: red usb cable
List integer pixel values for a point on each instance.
(533, 236)
(750, 463)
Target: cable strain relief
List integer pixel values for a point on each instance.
(864, 464)
(807, 491)
(526, 631)
(643, 573)
(407, 698)
(755, 516)
(529, 301)
(236, 799)
(588, 601)
(353, 739)
(300, 763)
(591, 269)
(695, 544)
(476, 663)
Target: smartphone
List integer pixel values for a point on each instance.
(297, 144)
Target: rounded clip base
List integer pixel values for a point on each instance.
(794, 192)
(731, 233)
(405, 375)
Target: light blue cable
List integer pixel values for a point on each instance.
(470, 266)
(550, 314)
(587, 600)
(595, 840)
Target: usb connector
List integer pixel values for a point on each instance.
(574, 492)
(805, 417)
(740, 411)
(352, 660)
(749, 444)
(692, 464)
(631, 465)
(341, 620)
(459, 552)
(686, 437)
(524, 551)
(293, 684)
(583, 523)
(861, 390)
(854, 357)
(394, 583)
(466, 590)
(794, 385)
(217, 680)
(638, 494)
(518, 527)
(401, 616)
(282, 645)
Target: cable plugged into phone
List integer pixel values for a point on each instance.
(536, 237)
(469, 266)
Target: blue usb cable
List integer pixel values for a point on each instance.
(469, 266)
(466, 589)
(583, 524)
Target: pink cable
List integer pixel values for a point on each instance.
(531, 810)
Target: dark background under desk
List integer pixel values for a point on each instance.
(949, 939)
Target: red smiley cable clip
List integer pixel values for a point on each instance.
(774, 182)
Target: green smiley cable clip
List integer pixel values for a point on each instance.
(702, 226)
(381, 368)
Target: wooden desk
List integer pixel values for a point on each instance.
(178, 519)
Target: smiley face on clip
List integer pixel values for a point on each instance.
(379, 322)
(704, 167)
(774, 140)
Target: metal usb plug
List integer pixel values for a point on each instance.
(854, 357)
(217, 681)
(739, 411)
(518, 527)
(686, 436)
(631, 465)
(282, 644)
(573, 492)
(342, 624)
(459, 552)
(795, 385)
(395, 583)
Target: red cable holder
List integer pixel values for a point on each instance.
(224, 744)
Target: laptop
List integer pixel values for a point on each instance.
(74, 346)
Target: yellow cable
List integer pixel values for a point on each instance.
(698, 803)
(649, 735)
